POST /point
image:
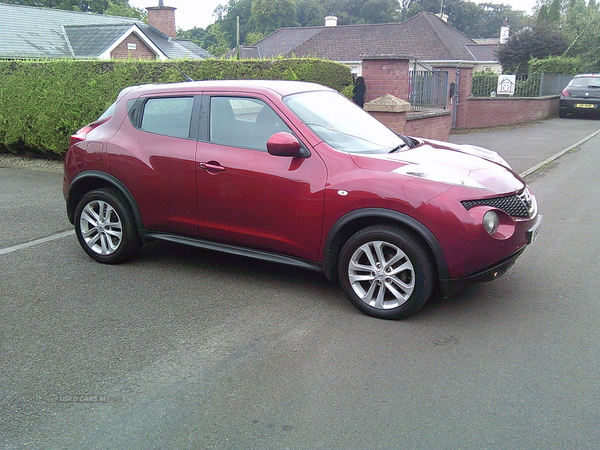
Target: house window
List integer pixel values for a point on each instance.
(131, 46)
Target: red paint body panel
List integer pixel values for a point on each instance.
(289, 205)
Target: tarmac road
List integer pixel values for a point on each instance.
(188, 349)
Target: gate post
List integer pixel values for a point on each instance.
(462, 75)
(386, 74)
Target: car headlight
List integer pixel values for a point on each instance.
(491, 222)
(438, 173)
(495, 222)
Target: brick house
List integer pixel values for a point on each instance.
(427, 39)
(42, 33)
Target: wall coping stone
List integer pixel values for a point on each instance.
(505, 98)
(427, 113)
(387, 103)
(365, 57)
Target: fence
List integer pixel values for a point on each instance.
(428, 89)
(527, 85)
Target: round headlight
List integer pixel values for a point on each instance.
(491, 222)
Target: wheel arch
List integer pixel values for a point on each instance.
(354, 221)
(93, 179)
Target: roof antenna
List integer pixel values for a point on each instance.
(187, 77)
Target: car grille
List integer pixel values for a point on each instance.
(519, 205)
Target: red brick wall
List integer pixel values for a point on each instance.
(141, 52)
(385, 76)
(163, 18)
(463, 76)
(488, 112)
(429, 125)
(395, 121)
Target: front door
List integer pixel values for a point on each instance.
(249, 197)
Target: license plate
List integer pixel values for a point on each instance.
(585, 105)
(534, 231)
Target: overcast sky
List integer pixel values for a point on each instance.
(198, 13)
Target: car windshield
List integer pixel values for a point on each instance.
(342, 124)
(592, 82)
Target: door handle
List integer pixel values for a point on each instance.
(212, 167)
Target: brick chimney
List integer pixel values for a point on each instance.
(162, 18)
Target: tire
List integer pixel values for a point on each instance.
(386, 272)
(562, 114)
(105, 227)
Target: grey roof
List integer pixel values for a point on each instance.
(425, 37)
(484, 52)
(30, 32)
(93, 40)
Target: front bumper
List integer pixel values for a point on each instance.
(451, 286)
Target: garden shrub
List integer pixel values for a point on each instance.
(43, 102)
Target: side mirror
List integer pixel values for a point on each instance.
(285, 144)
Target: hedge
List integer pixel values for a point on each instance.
(561, 64)
(43, 102)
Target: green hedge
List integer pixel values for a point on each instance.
(43, 102)
(561, 64)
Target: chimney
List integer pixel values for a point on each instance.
(443, 16)
(162, 18)
(504, 32)
(331, 21)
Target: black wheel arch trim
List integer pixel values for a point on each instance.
(89, 175)
(330, 252)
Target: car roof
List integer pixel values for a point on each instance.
(278, 86)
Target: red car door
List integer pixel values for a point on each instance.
(249, 197)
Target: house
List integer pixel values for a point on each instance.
(427, 38)
(43, 33)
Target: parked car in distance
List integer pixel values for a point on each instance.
(294, 173)
(581, 96)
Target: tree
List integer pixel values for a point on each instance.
(270, 15)
(122, 8)
(475, 20)
(539, 42)
(554, 11)
(93, 6)
(111, 7)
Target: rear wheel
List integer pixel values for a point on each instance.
(105, 226)
(386, 272)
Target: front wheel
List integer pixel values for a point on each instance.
(386, 272)
(105, 227)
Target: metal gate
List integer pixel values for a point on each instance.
(428, 89)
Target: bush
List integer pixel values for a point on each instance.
(484, 83)
(562, 65)
(43, 102)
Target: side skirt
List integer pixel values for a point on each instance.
(235, 250)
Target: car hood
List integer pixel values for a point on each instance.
(452, 164)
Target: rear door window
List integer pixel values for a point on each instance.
(168, 116)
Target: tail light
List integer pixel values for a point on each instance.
(81, 134)
(565, 93)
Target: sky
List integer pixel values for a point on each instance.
(198, 13)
